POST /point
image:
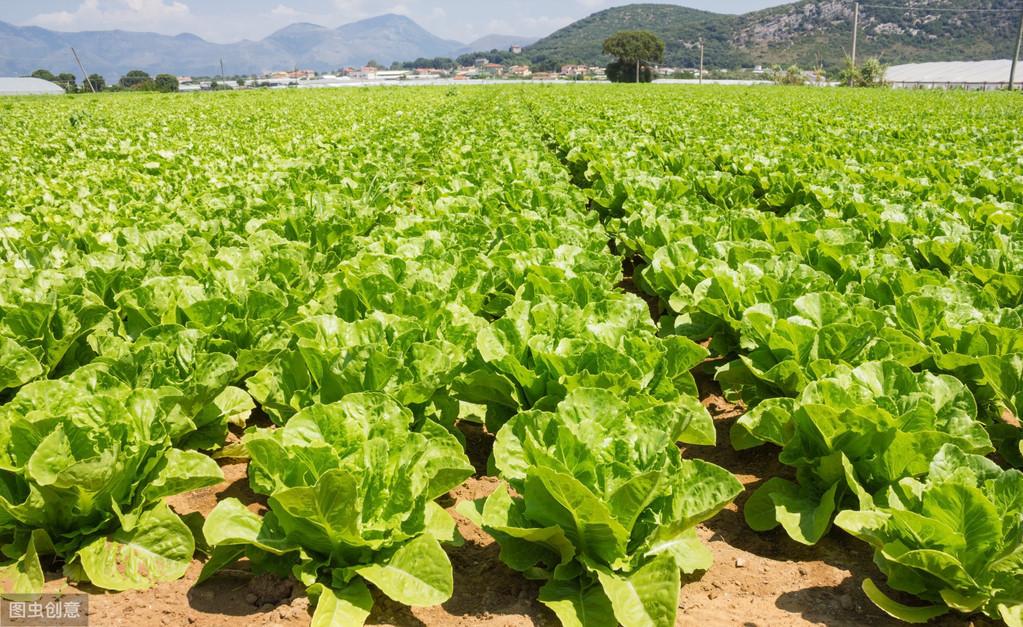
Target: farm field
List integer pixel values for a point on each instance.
(523, 355)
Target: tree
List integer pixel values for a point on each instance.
(166, 83)
(98, 82)
(873, 73)
(68, 81)
(46, 75)
(791, 76)
(625, 72)
(870, 74)
(241, 82)
(137, 80)
(636, 49)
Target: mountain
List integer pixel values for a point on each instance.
(497, 42)
(581, 42)
(804, 32)
(385, 39)
(932, 30)
(113, 53)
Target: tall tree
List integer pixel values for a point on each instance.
(68, 81)
(135, 79)
(98, 82)
(46, 75)
(634, 50)
(166, 83)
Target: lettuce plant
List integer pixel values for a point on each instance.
(351, 500)
(39, 338)
(954, 538)
(544, 347)
(331, 357)
(83, 476)
(191, 378)
(600, 505)
(851, 436)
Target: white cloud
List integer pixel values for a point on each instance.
(163, 15)
(284, 11)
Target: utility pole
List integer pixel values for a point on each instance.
(637, 70)
(82, 68)
(856, 32)
(221, 69)
(1015, 57)
(701, 61)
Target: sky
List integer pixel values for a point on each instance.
(231, 20)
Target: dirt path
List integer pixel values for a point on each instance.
(759, 580)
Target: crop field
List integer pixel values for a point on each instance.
(510, 356)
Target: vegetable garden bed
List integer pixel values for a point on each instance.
(512, 356)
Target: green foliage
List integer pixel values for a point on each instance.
(954, 539)
(549, 261)
(136, 80)
(67, 81)
(45, 75)
(792, 76)
(165, 83)
(852, 436)
(86, 465)
(603, 508)
(545, 346)
(351, 493)
(866, 327)
(625, 72)
(870, 73)
(98, 83)
(808, 33)
(635, 51)
(634, 47)
(581, 42)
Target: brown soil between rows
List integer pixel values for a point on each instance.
(757, 579)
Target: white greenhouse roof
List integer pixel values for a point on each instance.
(951, 72)
(27, 87)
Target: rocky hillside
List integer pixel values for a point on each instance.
(806, 32)
(932, 30)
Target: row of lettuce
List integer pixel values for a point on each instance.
(353, 274)
(858, 269)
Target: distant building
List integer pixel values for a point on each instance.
(391, 75)
(493, 69)
(367, 73)
(515, 49)
(520, 71)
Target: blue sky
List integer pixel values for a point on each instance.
(231, 20)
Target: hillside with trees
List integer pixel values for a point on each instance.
(808, 33)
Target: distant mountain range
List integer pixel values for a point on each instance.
(384, 39)
(805, 32)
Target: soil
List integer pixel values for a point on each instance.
(757, 579)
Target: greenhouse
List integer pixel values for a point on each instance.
(958, 74)
(28, 87)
